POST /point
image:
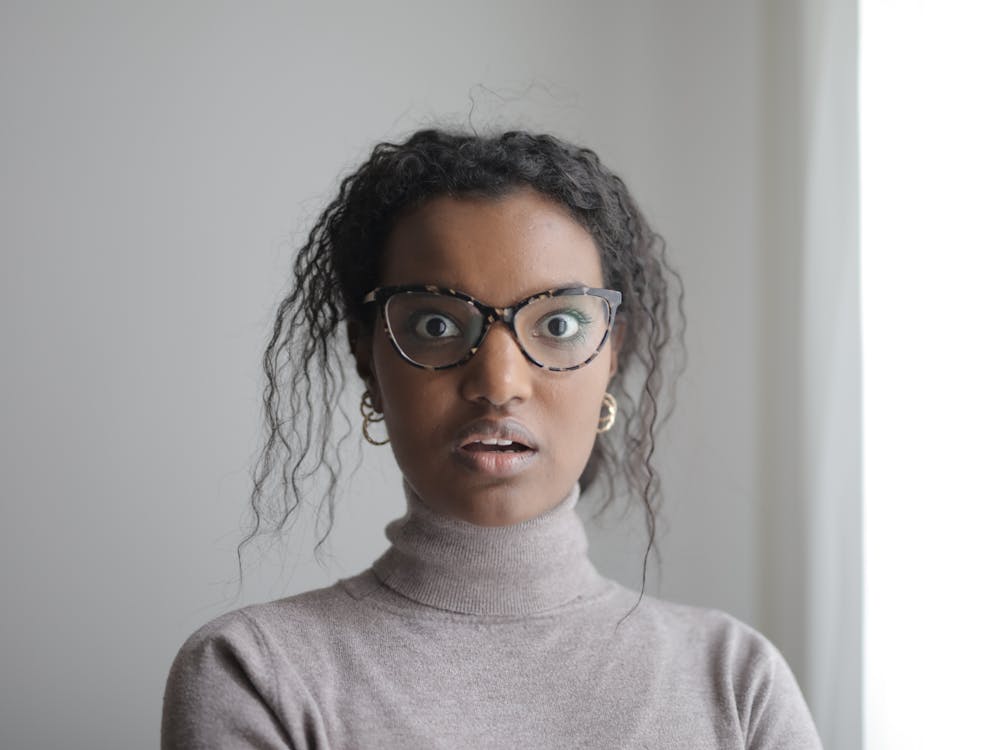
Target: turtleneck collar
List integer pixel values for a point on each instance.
(454, 565)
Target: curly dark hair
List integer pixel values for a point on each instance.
(340, 263)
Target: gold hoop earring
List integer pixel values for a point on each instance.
(370, 415)
(606, 421)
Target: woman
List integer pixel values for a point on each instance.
(495, 290)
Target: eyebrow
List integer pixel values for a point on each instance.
(539, 290)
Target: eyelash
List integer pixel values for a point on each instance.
(581, 336)
(420, 317)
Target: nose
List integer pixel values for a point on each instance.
(498, 374)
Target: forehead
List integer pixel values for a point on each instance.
(498, 250)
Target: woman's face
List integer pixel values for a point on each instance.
(498, 251)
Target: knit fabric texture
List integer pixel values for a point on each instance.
(464, 636)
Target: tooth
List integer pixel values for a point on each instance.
(503, 442)
(490, 441)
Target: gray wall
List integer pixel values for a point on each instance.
(161, 163)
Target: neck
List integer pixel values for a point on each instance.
(454, 565)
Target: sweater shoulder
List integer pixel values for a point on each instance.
(250, 634)
(713, 624)
(745, 672)
(236, 659)
(255, 623)
(730, 648)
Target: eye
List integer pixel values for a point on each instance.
(561, 325)
(434, 325)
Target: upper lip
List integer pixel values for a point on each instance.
(500, 429)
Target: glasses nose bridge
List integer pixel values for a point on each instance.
(505, 315)
(494, 315)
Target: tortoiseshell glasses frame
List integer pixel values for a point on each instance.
(489, 315)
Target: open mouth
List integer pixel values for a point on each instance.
(495, 445)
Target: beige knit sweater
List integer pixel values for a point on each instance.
(462, 636)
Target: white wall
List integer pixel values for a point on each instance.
(160, 165)
(927, 265)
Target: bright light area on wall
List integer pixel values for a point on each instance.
(927, 130)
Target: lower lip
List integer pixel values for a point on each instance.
(496, 463)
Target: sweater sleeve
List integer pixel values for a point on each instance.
(219, 691)
(773, 712)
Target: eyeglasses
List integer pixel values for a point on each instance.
(436, 328)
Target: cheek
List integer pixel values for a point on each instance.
(397, 380)
(573, 403)
(573, 407)
(412, 398)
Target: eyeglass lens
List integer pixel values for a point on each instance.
(436, 331)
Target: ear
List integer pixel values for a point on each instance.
(361, 346)
(617, 340)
